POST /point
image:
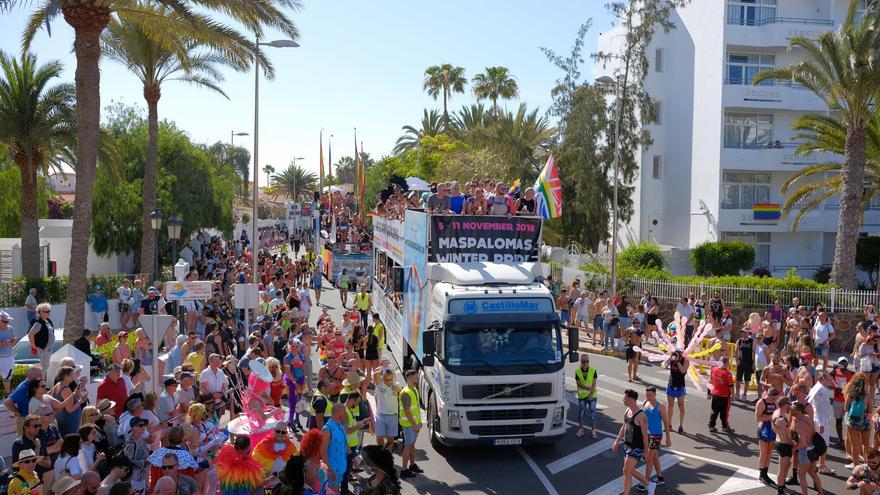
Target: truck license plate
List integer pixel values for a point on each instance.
(507, 441)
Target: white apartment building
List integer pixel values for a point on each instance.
(715, 150)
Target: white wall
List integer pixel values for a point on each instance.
(59, 314)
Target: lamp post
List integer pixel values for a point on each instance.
(618, 86)
(156, 224)
(232, 135)
(174, 225)
(255, 219)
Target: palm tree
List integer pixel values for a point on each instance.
(268, 170)
(411, 138)
(469, 119)
(817, 183)
(447, 79)
(88, 18)
(239, 159)
(495, 83)
(842, 69)
(36, 125)
(524, 139)
(126, 43)
(293, 180)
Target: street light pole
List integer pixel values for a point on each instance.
(156, 224)
(232, 135)
(255, 217)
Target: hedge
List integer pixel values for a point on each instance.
(789, 282)
(722, 258)
(642, 256)
(54, 289)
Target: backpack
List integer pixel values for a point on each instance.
(6, 476)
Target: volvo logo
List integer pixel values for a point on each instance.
(507, 391)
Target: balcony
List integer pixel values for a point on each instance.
(772, 159)
(773, 31)
(780, 95)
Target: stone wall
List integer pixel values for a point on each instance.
(844, 324)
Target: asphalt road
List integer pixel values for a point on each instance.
(699, 462)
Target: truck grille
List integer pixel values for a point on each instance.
(506, 390)
(499, 430)
(506, 415)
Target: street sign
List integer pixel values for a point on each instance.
(246, 296)
(188, 291)
(156, 325)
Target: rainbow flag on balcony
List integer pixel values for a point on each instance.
(766, 211)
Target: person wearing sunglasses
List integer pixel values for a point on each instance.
(274, 451)
(42, 335)
(185, 484)
(25, 479)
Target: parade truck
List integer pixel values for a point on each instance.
(463, 302)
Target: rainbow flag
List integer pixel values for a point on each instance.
(548, 191)
(514, 187)
(766, 211)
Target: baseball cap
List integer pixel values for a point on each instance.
(97, 287)
(4, 316)
(842, 359)
(170, 381)
(136, 421)
(152, 289)
(114, 367)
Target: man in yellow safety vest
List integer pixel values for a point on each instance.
(410, 415)
(320, 406)
(585, 376)
(352, 427)
(362, 303)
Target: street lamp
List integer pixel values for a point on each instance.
(156, 224)
(618, 85)
(174, 224)
(255, 218)
(232, 135)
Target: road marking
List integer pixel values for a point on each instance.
(615, 486)
(537, 470)
(590, 451)
(743, 479)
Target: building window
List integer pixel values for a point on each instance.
(741, 190)
(751, 12)
(657, 168)
(747, 130)
(658, 60)
(743, 67)
(658, 112)
(759, 240)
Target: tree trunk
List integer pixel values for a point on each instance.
(445, 114)
(30, 229)
(850, 219)
(148, 238)
(87, 22)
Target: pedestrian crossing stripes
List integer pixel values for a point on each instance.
(615, 486)
(600, 446)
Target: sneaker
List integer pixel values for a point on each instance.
(641, 488)
(792, 480)
(764, 478)
(660, 480)
(579, 433)
(713, 429)
(744, 398)
(681, 430)
(406, 473)
(415, 468)
(727, 429)
(594, 435)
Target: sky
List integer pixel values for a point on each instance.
(360, 65)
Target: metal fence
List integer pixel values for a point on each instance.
(836, 300)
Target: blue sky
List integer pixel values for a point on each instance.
(360, 64)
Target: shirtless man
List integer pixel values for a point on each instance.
(775, 375)
(633, 338)
(866, 477)
(802, 430)
(784, 447)
(799, 394)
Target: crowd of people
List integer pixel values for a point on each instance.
(477, 197)
(800, 398)
(239, 410)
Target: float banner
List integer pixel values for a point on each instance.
(462, 239)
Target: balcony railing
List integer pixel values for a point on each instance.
(743, 81)
(781, 20)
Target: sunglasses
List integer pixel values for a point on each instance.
(280, 432)
(31, 426)
(169, 468)
(28, 461)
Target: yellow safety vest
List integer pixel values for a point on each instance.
(363, 303)
(345, 391)
(352, 437)
(327, 409)
(379, 332)
(414, 409)
(588, 382)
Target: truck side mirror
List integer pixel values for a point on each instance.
(429, 342)
(397, 279)
(573, 344)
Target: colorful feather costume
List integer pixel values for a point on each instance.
(266, 454)
(239, 472)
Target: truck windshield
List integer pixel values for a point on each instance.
(495, 347)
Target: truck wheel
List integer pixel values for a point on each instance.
(434, 422)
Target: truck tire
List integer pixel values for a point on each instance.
(433, 422)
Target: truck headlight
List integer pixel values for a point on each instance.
(558, 416)
(454, 420)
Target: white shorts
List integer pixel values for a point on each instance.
(7, 364)
(386, 425)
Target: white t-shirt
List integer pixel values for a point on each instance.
(583, 308)
(214, 382)
(66, 462)
(305, 302)
(686, 310)
(124, 294)
(386, 399)
(823, 332)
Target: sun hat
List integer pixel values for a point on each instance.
(25, 455)
(352, 379)
(105, 404)
(4, 316)
(63, 484)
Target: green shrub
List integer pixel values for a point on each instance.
(643, 256)
(18, 374)
(823, 274)
(722, 258)
(49, 289)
